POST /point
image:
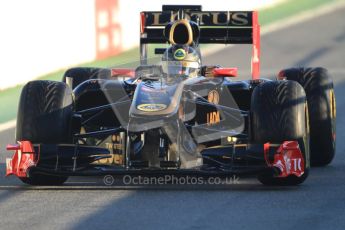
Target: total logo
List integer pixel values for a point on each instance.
(151, 107)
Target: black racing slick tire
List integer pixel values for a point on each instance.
(279, 113)
(44, 116)
(318, 86)
(81, 74)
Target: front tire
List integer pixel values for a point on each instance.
(44, 114)
(279, 113)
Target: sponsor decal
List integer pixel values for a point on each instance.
(151, 107)
(221, 18)
(179, 54)
(213, 97)
(213, 118)
(289, 159)
(111, 160)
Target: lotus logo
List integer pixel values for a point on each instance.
(180, 54)
(151, 107)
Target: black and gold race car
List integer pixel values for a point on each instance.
(172, 115)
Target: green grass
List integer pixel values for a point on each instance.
(8, 103)
(288, 8)
(10, 97)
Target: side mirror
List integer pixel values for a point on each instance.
(117, 72)
(224, 72)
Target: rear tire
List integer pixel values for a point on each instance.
(318, 86)
(44, 114)
(279, 114)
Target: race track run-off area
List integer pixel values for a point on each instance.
(86, 203)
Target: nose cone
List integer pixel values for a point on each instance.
(155, 100)
(153, 106)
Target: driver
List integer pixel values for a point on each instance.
(182, 61)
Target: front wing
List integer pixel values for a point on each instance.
(282, 160)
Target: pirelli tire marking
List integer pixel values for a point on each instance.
(333, 104)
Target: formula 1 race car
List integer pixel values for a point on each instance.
(172, 115)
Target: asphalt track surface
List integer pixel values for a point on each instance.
(85, 203)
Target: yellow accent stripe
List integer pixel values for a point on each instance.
(189, 28)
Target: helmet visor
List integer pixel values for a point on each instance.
(180, 67)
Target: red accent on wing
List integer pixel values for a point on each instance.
(256, 47)
(224, 72)
(23, 158)
(289, 159)
(122, 72)
(266, 152)
(27, 147)
(13, 147)
(142, 22)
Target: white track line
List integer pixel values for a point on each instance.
(7, 125)
(278, 25)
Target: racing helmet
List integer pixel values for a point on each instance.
(181, 61)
